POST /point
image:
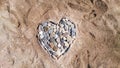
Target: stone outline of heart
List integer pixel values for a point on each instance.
(59, 29)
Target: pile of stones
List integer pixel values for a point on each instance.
(55, 38)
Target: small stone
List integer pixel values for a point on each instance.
(66, 27)
(59, 45)
(54, 30)
(56, 36)
(61, 25)
(41, 34)
(45, 28)
(49, 24)
(51, 45)
(69, 39)
(64, 19)
(65, 34)
(55, 43)
(66, 44)
(63, 31)
(62, 42)
(55, 48)
(58, 52)
(72, 26)
(72, 31)
(58, 33)
(64, 38)
(50, 31)
(57, 27)
(58, 40)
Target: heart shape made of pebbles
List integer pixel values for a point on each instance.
(55, 38)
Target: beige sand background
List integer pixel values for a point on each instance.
(97, 43)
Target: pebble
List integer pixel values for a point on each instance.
(49, 24)
(41, 34)
(58, 40)
(72, 32)
(65, 34)
(51, 45)
(69, 39)
(56, 36)
(55, 48)
(66, 27)
(54, 30)
(66, 44)
(61, 25)
(64, 38)
(59, 45)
